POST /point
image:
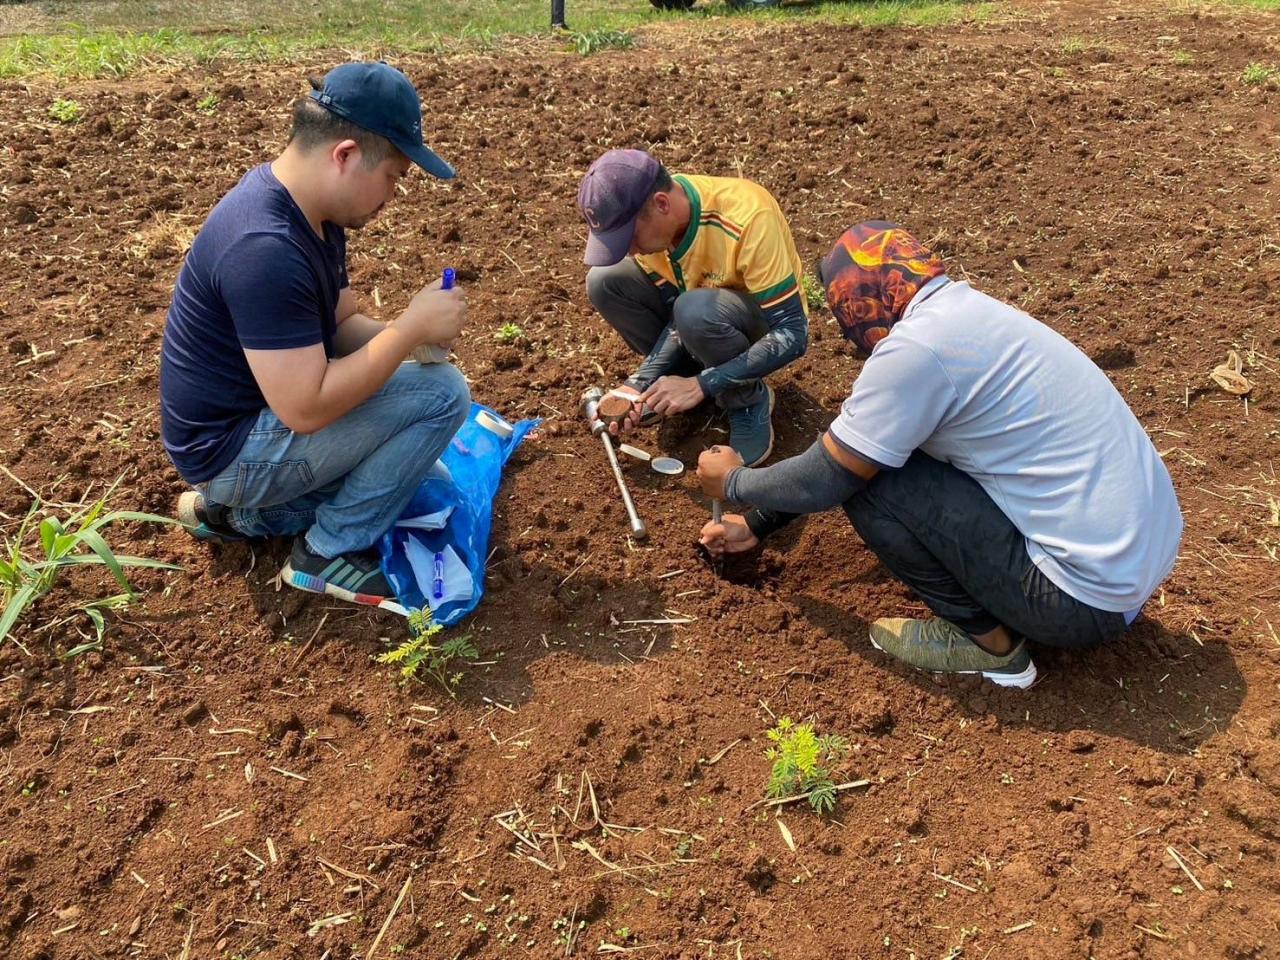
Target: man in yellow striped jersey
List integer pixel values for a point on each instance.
(700, 276)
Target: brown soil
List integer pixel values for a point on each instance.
(613, 409)
(233, 775)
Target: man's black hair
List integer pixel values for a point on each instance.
(314, 126)
(662, 182)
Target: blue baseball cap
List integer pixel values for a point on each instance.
(379, 98)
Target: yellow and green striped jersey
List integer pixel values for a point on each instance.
(737, 240)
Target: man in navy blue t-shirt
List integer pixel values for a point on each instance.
(288, 410)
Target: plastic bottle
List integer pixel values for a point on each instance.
(429, 352)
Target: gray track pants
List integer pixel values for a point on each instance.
(713, 325)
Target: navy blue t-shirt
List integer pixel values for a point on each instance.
(257, 277)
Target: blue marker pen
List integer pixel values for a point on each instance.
(428, 352)
(437, 584)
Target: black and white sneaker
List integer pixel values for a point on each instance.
(354, 577)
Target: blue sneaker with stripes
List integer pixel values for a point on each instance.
(354, 577)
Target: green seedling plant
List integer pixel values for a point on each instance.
(593, 41)
(509, 333)
(31, 565)
(421, 658)
(814, 295)
(208, 104)
(65, 111)
(1256, 74)
(801, 762)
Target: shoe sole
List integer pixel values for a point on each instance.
(1021, 681)
(313, 584)
(769, 449)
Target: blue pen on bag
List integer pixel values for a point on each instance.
(446, 281)
(437, 584)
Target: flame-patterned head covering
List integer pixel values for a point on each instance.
(870, 276)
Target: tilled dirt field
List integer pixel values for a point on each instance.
(234, 777)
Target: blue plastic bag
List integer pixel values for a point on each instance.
(414, 558)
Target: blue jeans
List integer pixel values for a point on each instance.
(344, 485)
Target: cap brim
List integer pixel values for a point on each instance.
(428, 161)
(608, 247)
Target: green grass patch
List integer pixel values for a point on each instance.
(591, 41)
(1256, 74)
(65, 111)
(116, 37)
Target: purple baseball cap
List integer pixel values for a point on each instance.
(611, 196)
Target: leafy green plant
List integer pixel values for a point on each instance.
(208, 104)
(588, 42)
(814, 295)
(1182, 58)
(1256, 74)
(419, 657)
(65, 111)
(509, 333)
(29, 570)
(800, 759)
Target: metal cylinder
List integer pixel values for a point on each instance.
(590, 401)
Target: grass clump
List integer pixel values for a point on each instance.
(35, 556)
(800, 763)
(593, 41)
(65, 111)
(1182, 58)
(814, 295)
(208, 104)
(1256, 74)
(420, 658)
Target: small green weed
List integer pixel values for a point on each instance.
(1182, 58)
(1256, 74)
(814, 295)
(509, 333)
(593, 41)
(208, 104)
(29, 570)
(1074, 45)
(419, 657)
(799, 763)
(65, 111)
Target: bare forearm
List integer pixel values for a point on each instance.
(354, 332)
(349, 381)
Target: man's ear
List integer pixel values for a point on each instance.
(661, 203)
(345, 153)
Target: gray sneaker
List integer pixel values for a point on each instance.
(941, 647)
(751, 430)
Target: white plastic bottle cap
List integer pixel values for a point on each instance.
(494, 424)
